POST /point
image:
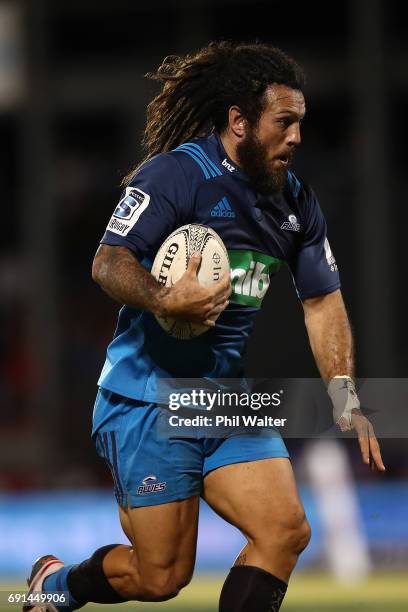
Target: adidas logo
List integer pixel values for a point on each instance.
(223, 209)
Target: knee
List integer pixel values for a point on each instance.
(303, 535)
(291, 534)
(296, 534)
(165, 584)
(160, 584)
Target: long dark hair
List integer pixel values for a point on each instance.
(198, 89)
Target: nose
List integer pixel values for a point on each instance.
(293, 135)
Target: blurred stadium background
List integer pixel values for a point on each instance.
(72, 108)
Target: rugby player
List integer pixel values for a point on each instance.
(219, 140)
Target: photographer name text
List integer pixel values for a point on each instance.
(226, 421)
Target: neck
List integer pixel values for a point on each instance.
(230, 145)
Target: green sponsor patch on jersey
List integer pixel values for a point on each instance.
(250, 272)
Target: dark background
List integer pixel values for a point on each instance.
(70, 128)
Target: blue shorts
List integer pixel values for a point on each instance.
(149, 469)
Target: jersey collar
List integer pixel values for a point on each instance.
(228, 166)
(261, 201)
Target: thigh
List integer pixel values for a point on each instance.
(157, 484)
(163, 536)
(148, 468)
(255, 496)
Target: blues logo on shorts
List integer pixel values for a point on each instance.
(150, 485)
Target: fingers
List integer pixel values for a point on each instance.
(223, 283)
(195, 302)
(217, 309)
(212, 316)
(361, 425)
(193, 264)
(376, 462)
(221, 290)
(209, 323)
(370, 449)
(363, 440)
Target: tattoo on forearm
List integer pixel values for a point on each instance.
(125, 279)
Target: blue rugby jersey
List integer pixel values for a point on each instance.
(199, 183)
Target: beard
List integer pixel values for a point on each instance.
(252, 157)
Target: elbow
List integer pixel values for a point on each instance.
(98, 270)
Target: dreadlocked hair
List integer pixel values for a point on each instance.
(198, 90)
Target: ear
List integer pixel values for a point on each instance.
(237, 122)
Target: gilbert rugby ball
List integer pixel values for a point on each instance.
(171, 262)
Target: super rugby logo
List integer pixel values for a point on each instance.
(128, 211)
(129, 204)
(150, 485)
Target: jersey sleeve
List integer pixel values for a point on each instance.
(155, 203)
(314, 267)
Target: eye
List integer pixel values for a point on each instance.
(285, 122)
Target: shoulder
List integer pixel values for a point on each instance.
(301, 195)
(163, 166)
(298, 189)
(197, 160)
(162, 176)
(184, 165)
(191, 163)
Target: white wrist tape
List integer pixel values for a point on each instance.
(343, 394)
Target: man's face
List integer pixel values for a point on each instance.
(267, 149)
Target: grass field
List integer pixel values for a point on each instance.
(307, 593)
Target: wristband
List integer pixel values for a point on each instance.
(343, 394)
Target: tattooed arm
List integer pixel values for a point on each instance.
(121, 276)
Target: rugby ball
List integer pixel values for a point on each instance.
(172, 260)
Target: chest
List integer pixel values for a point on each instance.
(259, 236)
